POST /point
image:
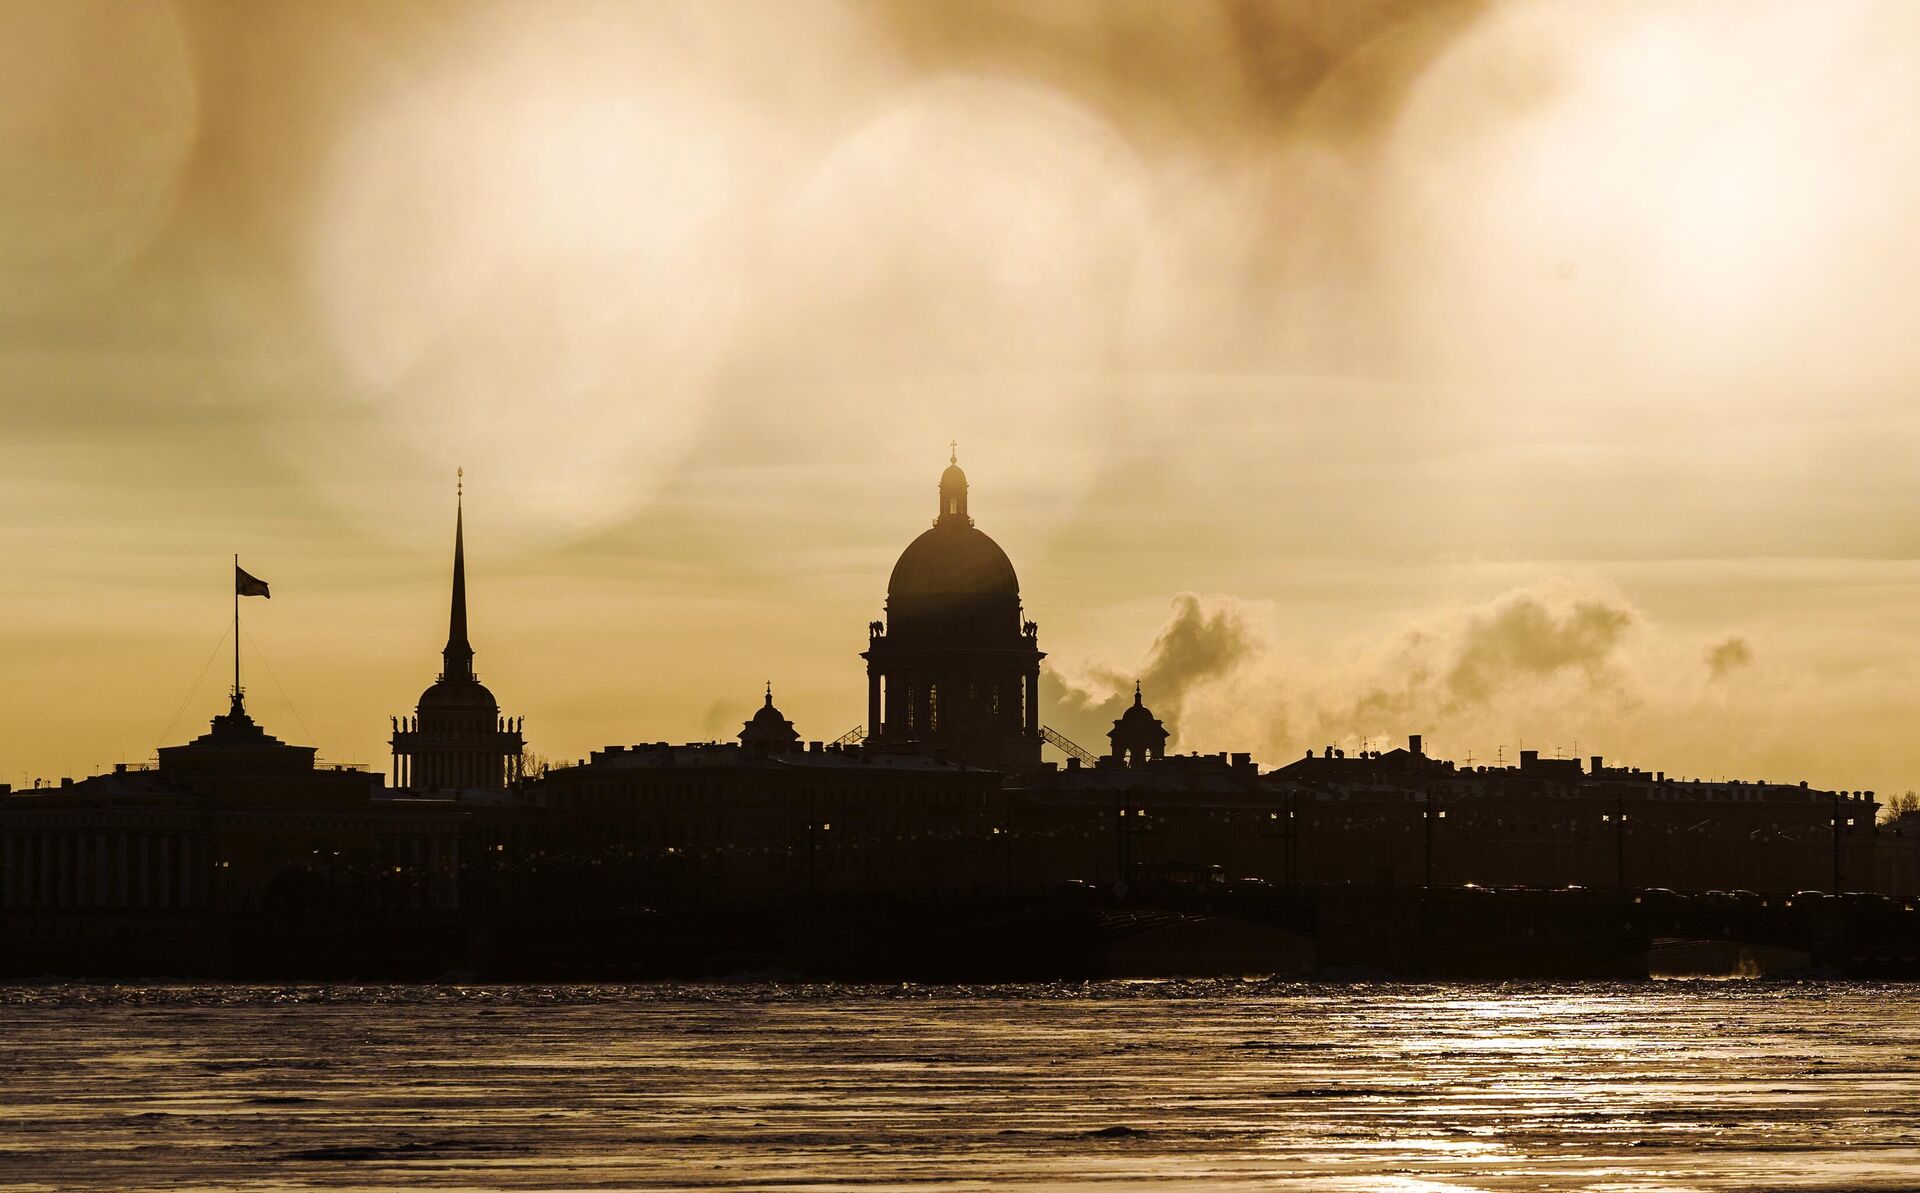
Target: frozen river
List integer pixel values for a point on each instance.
(1206, 1085)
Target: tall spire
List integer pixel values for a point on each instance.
(458, 653)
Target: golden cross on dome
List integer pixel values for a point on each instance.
(459, 482)
(953, 452)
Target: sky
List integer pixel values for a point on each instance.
(1524, 375)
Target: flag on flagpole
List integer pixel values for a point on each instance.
(245, 585)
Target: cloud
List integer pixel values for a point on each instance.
(1724, 658)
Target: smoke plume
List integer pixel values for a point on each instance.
(1724, 658)
(1205, 641)
(1546, 660)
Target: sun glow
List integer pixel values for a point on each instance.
(1645, 196)
(523, 260)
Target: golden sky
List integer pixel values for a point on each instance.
(1533, 375)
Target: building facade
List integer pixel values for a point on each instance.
(237, 852)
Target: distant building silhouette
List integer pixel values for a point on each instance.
(767, 732)
(238, 854)
(457, 738)
(1138, 737)
(237, 851)
(954, 672)
(234, 742)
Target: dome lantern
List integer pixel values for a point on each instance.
(953, 491)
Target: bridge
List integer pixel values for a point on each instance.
(1078, 931)
(1063, 931)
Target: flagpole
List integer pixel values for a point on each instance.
(236, 626)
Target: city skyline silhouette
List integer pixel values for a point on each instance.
(1192, 594)
(934, 841)
(1610, 446)
(1197, 639)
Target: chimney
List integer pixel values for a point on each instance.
(1596, 764)
(1242, 761)
(1413, 745)
(1073, 763)
(814, 747)
(1528, 758)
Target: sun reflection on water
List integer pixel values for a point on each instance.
(1196, 1085)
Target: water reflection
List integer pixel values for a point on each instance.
(1198, 1085)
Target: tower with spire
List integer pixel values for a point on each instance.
(456, 739)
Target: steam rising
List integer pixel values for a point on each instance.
(1543, 667)
(1205, 640)
(1724, 658)
(1524, 639)
(1548, 645)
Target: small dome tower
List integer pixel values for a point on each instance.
(1138, 737)
(766, 731)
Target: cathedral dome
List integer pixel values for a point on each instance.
(954, 670)
(467, 695)
(953, 560)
